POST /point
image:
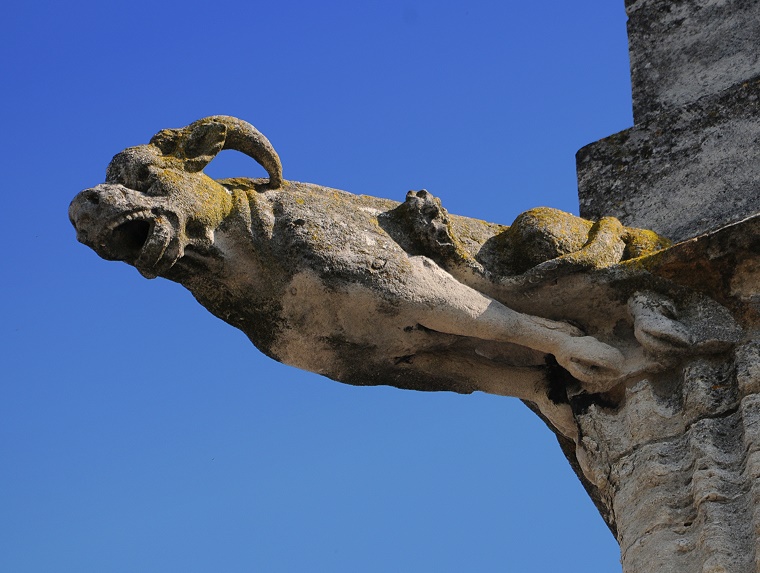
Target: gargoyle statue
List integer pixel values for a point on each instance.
(369, 291)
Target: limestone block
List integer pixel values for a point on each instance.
(683, 50)
(681, 173)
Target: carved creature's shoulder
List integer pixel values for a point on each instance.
(323, 228)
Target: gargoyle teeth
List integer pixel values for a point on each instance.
(142, 214)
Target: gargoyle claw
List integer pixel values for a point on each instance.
(595, 363)
(655, 325)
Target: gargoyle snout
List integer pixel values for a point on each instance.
(83, 211)
(121, 224)
(105, 214)
(89, 208)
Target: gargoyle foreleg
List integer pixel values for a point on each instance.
(450, 307)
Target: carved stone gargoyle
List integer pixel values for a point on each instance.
(368, 291)
(561, 312)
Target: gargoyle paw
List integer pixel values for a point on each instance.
(596, 364)
(655, 325)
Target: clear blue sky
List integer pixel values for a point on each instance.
(138, 432)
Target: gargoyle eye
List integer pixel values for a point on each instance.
(668, 310)
(144, 178)
(143, 173)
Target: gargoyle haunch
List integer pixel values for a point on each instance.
(370, 291)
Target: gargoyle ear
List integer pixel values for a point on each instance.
(202, 144)
(166, 140)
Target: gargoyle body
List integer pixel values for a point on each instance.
(369, 291)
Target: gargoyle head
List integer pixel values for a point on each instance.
(156, 199)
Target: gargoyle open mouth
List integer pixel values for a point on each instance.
(128, 236)
(143, 239)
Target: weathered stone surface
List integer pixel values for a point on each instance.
(682, 172)
(682, 481)
(364, 290)
(683, 50)
(673, 459)
(640, 355)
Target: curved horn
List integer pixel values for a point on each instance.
(243, 137)
(237, 134)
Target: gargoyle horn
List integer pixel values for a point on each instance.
(198, 143)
